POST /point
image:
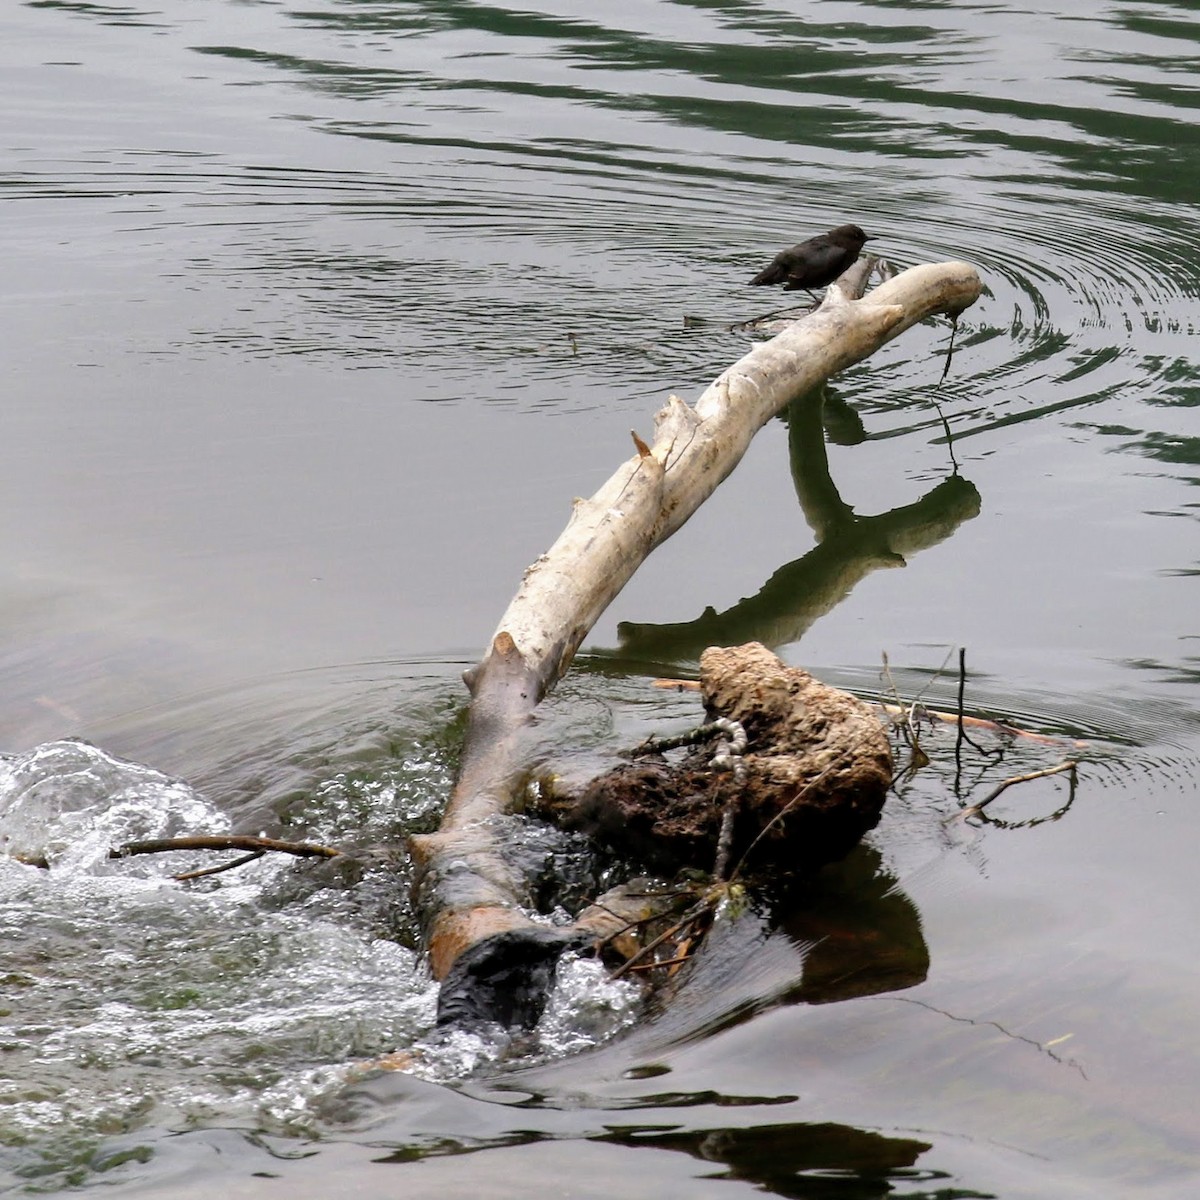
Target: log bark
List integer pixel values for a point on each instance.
(466, 886)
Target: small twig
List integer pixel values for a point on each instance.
(225, 842)
(961, 720)
(887, 676)
(907, 724)
(975, 809)
(959, 738)
(628, 965)
(637, 923)
(937, 387)
(666, 962)
(946, 368)
(1031, 822)
(229, 866)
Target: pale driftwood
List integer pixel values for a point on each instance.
(467, 886)
(649, 497)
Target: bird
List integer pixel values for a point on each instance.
(814, 263)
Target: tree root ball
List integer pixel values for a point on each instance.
(817, 769)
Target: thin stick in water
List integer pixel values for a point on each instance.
(975, 809)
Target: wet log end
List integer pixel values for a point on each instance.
(504, 978)
(454, 931)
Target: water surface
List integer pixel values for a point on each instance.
(317, 317)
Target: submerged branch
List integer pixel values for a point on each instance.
(232, 865)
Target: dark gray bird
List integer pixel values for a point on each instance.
(814, 263)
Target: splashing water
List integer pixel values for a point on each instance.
(70, 802)
(245, 999)
(131, 999)
(585, 1008)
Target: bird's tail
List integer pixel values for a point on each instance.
(769, 275)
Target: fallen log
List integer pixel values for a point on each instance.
(466, 887)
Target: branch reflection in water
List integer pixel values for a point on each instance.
(849, 547)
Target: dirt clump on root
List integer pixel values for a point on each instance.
(816, 772)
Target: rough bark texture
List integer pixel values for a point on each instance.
(817, 770)
(817, 743)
